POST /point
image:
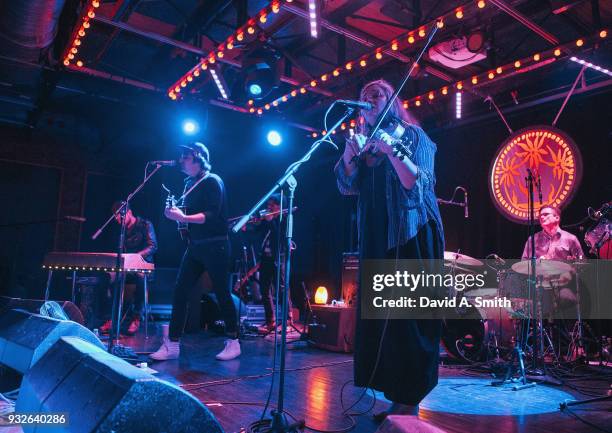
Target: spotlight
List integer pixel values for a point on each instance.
(274, 138)
(255, 89)
(261, 73)
(190, 127)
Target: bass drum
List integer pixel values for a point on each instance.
(480, 335)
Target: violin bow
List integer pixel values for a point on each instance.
(402, 149)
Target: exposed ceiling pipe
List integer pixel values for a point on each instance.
(28, 28)
(552, 39)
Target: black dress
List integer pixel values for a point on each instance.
(397, 357)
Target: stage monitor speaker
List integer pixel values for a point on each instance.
(350, 277)
(407, 424)
(33, 306)
(26, 337)
(100, 392)
(333, 328)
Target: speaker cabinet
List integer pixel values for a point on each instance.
(102, 393)
(333, 328)
(26, 337)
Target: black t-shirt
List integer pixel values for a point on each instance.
(208, 197)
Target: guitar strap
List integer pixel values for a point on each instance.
(186, 193)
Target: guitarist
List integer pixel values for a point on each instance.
(208, 249)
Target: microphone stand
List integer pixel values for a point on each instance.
(278, 423)
(113, 342)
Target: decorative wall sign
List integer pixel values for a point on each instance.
(549, 153)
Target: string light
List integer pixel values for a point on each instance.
(459, 85)
(603, 34)
(336, 72)
(499, 70)
(324, 77)
(422, 32)
(431, 95)
(491, 75)
(557, 52)
(517, 64)
(250, 30)
(411, 39)
(378, 55)
(536, 57)
(263, 18)
(349, 66)
(394, 46)
(313, 83)
(459, 13)
(474, 80)
(445, 90)
(363, 63)
(579, 43)
(440, 23)
(481, 4)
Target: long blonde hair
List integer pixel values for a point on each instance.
(397, 109)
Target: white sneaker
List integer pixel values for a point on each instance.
(168, 350)
(231, 350)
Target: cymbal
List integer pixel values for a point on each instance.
(461, 259)
(543, 267)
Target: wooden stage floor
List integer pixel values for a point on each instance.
(464, 400)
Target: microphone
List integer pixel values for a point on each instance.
(167, 163)
(499, 259)
(355, 104)
(466, 212)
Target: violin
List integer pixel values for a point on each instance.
(395, 128)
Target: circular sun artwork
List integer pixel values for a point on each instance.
(549, 153)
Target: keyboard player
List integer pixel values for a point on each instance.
(140, 239)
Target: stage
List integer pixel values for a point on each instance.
(236, 391)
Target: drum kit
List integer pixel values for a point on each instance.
(483, 333)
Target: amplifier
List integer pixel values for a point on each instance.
(350, 277)
(333, 328)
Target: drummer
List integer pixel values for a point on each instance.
(553, 243)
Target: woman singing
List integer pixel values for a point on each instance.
(398, 218)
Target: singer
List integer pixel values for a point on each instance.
(398, 219)
(208, 249)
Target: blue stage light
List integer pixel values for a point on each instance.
(274, 138)
(255, 89)
(190, 127)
